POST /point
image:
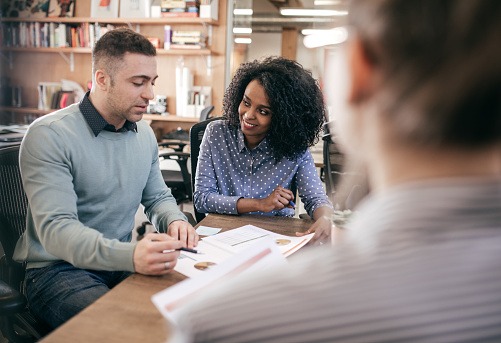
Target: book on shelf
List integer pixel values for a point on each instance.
(46, 93)
(186, 46)
(179, 14)
(173, 4)
(61, 8)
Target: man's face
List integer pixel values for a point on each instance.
(132, 89)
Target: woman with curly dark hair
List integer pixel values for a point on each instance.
(274, 112)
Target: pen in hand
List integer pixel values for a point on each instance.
(189, 250)
(193, 251)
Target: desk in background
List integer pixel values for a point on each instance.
(126, 313)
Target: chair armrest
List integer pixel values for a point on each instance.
(177, 145)
(170, 154)
(11, 301)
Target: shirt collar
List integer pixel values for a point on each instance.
(97, 122)
(264, 146)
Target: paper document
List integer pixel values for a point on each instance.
(257, 257)
(215, 249)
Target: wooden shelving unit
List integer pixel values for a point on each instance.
(26, 67)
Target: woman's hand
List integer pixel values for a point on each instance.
(278, 199)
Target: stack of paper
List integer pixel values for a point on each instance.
(217, 248)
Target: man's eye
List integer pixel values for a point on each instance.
(137, 84)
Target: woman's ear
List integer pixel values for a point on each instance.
(361, 71)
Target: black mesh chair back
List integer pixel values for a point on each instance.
(196, 135)
(16, 323)
(333, 163)
(13, 207)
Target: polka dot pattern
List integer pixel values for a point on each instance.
(227, 171)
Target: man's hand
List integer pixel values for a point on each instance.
(184, 232)
(155, 254)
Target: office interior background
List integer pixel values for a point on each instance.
(244, 30)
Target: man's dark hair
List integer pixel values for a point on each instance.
(295, 100)
(110, 49)
(440, 64)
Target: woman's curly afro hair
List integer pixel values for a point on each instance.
(295, 99)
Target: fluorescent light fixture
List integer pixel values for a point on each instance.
(302, 12)
(325, 2)
(306, 32)
(327, 37)
(242, 30)
(243, 40)
(243, 11)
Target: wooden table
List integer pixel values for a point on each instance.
(126, 313)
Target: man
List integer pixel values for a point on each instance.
(420, 261)
(86, 169)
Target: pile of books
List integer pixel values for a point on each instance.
(52, 35)
(184, 39)
(180, 8)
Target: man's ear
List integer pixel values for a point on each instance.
(361, 71)
(102, 79)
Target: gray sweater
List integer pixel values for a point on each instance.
(84, 191)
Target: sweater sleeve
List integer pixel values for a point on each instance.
(48, 182)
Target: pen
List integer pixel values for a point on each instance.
(189, 250)
(292, 204)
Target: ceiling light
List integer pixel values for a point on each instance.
(325, 2)
(311, 12)
(243, 40)
(306, 32)
(243, 11)
(328, 37)
(242, 30)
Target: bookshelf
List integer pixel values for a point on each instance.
(26, 66)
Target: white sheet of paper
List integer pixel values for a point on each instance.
(260, 256)
(241, 238)
(217, 248)
(208, 253)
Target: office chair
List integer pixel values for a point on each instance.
(179, 181)
(196, 135)
(17, 323)
(333, 163)
(346, 182)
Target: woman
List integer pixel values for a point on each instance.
(274, 112)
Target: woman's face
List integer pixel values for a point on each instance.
(255, 114)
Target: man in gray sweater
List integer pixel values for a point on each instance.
(421, 260)
(86, 169)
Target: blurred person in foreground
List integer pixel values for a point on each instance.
(421, 260)
(86, 169)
